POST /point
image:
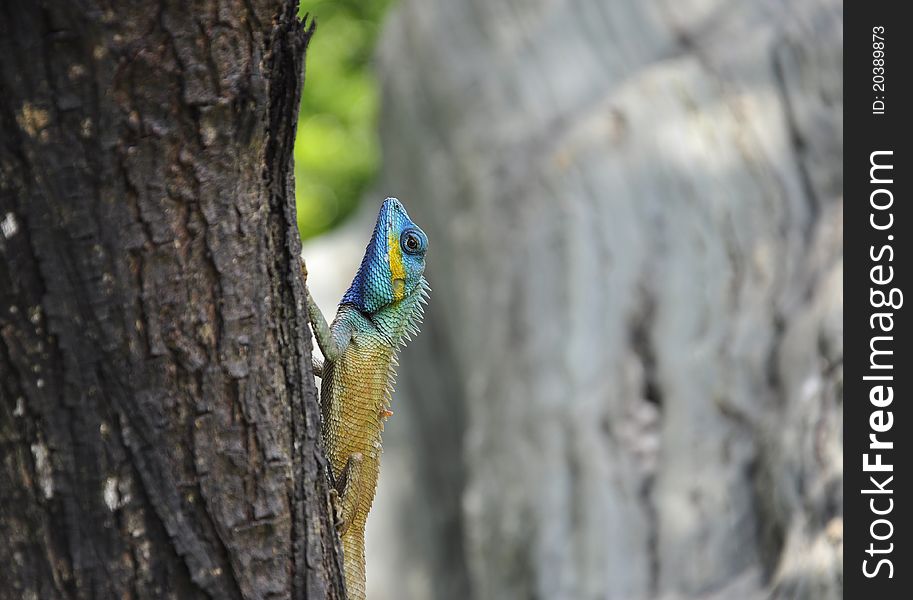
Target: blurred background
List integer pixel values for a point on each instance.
(629, 380)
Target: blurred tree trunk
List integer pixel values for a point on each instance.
(158, 415)
(635, 341)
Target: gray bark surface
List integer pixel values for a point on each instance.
(629, 380)
(158, 415)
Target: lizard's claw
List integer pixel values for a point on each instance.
(336, 506)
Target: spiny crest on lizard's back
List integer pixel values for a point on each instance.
(394, 261)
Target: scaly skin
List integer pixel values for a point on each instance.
(376, 316)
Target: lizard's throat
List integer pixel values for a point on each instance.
(397, 321)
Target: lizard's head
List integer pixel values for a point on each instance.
(393, 263)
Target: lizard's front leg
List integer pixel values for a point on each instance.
(328, 345)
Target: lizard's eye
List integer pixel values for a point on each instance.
(412, 241)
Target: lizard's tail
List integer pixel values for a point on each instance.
(353, 557)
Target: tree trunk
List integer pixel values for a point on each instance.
(158, 416)
(635, 341)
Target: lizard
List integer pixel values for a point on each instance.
(380, 311)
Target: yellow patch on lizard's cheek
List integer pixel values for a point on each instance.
(399, 289)
(397, 269)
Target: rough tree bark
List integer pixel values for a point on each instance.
(158, 418)
(634, 344)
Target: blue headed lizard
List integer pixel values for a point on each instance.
(376, 316)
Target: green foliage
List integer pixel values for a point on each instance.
(336, 151)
